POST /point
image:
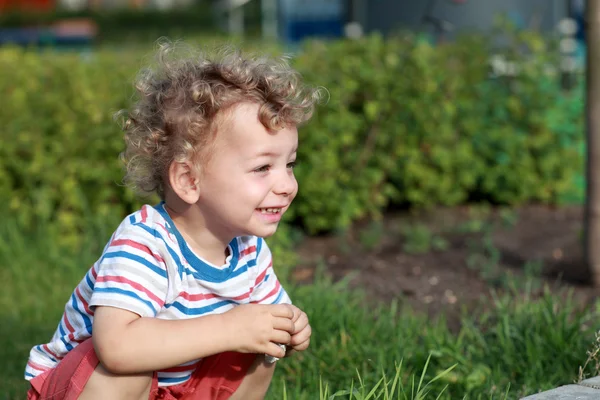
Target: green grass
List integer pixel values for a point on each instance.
(515, 345)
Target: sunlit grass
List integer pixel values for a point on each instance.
(361, 349)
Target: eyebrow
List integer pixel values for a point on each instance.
(265, 154)
(272, 154)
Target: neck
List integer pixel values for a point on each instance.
(192, 225)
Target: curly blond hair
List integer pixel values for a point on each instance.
(180, 102)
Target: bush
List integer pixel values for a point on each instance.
(60, 145)
(114, 24)
(406, 124)
(416, 125)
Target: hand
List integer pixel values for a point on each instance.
(302, 331)
(256, 328)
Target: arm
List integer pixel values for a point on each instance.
(132, 286)
(126, 343)
(268, 290)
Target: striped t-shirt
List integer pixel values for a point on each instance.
(148, 268)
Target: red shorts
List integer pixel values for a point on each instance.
(216, 377)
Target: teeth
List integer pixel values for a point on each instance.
(270, 210)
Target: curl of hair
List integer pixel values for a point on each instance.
(178, 101)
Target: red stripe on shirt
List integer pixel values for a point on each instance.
(135, 285)
(241, 297)
(53, 354)
(247, 251)
(271, 293)
(144, 214)
(165, 229)
(68, 325)
(70, 329)
(94, 272)
(198, 296)
(261, 277)
(136, 245)
(38, 366)
(85, 304)
(207, 296)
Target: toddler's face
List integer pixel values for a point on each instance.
(249, 182)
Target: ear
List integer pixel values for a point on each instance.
(184, 181)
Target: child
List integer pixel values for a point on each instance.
(183, 302)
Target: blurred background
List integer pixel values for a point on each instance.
(440, 229)
(290, 21)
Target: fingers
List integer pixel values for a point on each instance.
(301, 322)
(301, 337)
(302, 346)
(297, 312)
(275, 351)
(282, 310)
(284, 324)
(281, 337)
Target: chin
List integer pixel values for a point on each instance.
(264, 232)
(268, 234)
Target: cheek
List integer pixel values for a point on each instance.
(295, 190)
(255, 188)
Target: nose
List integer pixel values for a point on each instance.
(286, 184)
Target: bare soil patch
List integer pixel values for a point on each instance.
(446, 260)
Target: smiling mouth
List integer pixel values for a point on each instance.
(269, 210)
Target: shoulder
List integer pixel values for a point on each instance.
(145, 226)
(140, 241)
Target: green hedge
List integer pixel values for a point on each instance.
(416, 125)
(405, 124)
(119, 25)
(123, 21)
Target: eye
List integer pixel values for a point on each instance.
(292, 164)
(264, 168)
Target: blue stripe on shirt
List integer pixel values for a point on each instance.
(133, 257)
(201, 310)
(241, 270)
(205, 271)
(172, 252)
(127, 293)
(83, 315)
(251, 262)
(39, 348)
(174, 380)
(281, 292)
(63, 333)
(88, 280)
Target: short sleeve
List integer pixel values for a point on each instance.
(131, 274)
(267, 288)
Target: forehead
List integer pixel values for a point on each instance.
(242, 132)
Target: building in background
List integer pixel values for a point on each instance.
(388, 16)
(305, 18)
(294, 20)
(38, 5)
(77, 5)
(302, 18)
